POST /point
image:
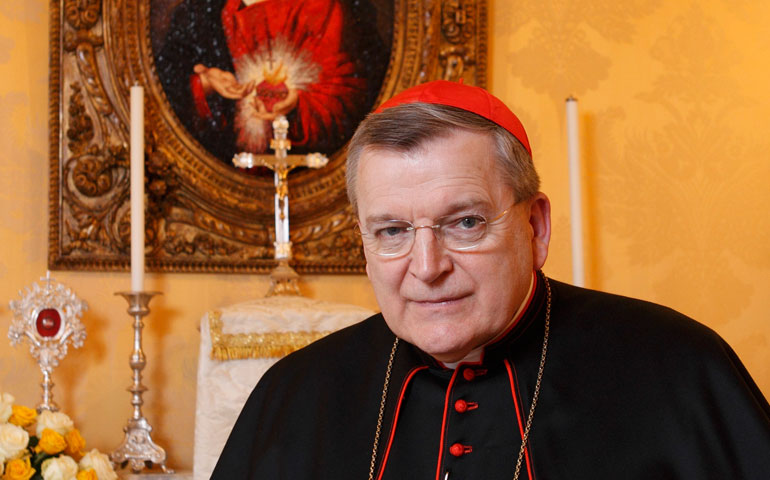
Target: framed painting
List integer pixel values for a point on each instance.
(215, 73)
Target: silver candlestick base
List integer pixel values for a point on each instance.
(284, 280)
(138, 450)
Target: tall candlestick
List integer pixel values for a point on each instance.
(137, 188)
(576, 211)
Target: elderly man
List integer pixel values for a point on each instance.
(479, 366)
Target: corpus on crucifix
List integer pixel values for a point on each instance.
(283, 278)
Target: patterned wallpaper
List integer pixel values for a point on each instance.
(674, 102)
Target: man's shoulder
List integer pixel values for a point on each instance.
(620, 367)
(649, 343)
(621, 317)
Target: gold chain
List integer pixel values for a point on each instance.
(530, 416)
(382, 409)
(527, 428)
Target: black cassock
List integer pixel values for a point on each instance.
(630, 390)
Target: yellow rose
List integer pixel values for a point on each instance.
(75, 443)
(89, 474)
(56, 421)
(18, 469)
(22, 416)
(51, 442)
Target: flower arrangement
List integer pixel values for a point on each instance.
(45, 447)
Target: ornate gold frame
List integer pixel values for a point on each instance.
(203, 216)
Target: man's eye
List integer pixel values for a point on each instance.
(390, 231)
(469, 223)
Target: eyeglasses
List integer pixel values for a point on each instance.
(394, 238)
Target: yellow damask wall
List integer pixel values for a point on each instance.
(674, 102)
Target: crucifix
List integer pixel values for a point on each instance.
(283, 278)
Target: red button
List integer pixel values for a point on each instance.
(461, 406)
(458, 449)
(469, 374)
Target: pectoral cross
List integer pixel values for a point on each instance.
(283, 278)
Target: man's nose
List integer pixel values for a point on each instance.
(429, 259)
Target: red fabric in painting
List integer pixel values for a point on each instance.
(301, 32)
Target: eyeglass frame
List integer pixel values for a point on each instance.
(436, 228)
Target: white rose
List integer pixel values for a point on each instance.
(13, 441)
(59, 468)
(6, 406)
(56, 421)
(100, 463)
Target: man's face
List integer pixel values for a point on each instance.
(445, 302)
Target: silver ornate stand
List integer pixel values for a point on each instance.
(138, 449)
(48, 318)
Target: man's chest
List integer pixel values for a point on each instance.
(467, 424)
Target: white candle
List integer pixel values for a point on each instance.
(137, 188)
(576, 211)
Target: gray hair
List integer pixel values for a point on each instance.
(404, 128)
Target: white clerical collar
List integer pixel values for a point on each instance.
(474, 356)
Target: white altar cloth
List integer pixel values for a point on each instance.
(250, 330)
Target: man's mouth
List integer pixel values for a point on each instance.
(440, 300)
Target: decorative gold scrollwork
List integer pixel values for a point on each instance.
(455, 60)
(81, 127)
(82, 14)
(458, 20)
(93, 175)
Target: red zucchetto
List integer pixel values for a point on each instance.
(466, 97)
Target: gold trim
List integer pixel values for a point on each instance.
(241, 346)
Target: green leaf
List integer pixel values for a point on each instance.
(39, 458)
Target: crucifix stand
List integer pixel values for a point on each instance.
(283, 279)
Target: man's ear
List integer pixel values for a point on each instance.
(540, 221)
